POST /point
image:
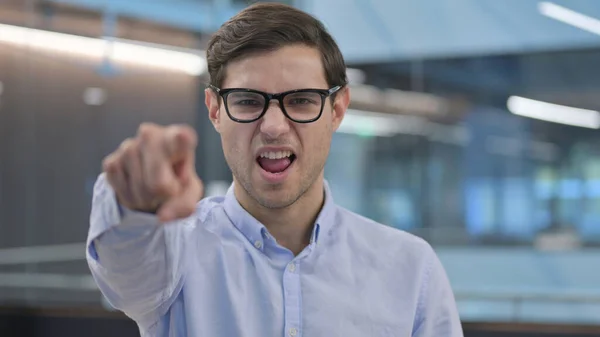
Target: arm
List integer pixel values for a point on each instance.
(437, 314)
(137, 262)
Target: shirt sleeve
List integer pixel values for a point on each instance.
(437, 314)
(137, 263)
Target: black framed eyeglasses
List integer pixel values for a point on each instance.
(249, 105)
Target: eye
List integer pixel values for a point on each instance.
(300, 101)
(245, 99)
(248, 102)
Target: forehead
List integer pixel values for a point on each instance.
(287, 68)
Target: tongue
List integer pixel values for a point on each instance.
(274, 165)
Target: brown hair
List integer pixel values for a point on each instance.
(264, 27)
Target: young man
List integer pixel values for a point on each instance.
(276, 256)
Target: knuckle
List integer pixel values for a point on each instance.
(146, 130)
(147, 127)
(129, 147)
(184, 128)
(125, 144)
(129, 153)
(191, 132)
(110, 163)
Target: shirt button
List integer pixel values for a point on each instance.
(258, 244)
(293, 332)
(292, 267)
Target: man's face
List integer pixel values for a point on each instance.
(258, 153)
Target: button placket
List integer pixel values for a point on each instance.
(292, 299)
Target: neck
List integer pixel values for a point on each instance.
(291, 226)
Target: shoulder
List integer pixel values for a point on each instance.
(208, 207)
(370, 237)
(210, 202)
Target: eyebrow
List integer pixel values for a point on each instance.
(243, 94)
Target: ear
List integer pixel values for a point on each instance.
(211, 99)
(342, 101)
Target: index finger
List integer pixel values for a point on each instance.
(179, 142)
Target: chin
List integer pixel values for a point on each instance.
(277, 199)
(275, 195)
(271, 189)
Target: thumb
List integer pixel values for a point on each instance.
(184, 204)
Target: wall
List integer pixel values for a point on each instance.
(52, 145)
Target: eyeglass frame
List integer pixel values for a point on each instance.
(325, 93)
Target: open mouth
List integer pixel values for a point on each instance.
(275, 162)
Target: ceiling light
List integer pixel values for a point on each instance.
(570, 17)
(158, 56)
(553, 112)
(367, 124)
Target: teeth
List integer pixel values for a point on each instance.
(276, 155)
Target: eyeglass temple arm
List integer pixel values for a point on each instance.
(334, 89)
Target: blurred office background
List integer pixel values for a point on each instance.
(473, 124)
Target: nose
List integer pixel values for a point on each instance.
(274, 123)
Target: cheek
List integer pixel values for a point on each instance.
(237, 139)
(317, 140)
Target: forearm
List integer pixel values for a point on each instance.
(136, 261)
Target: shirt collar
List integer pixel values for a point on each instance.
(325, 219)
(256, 232)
